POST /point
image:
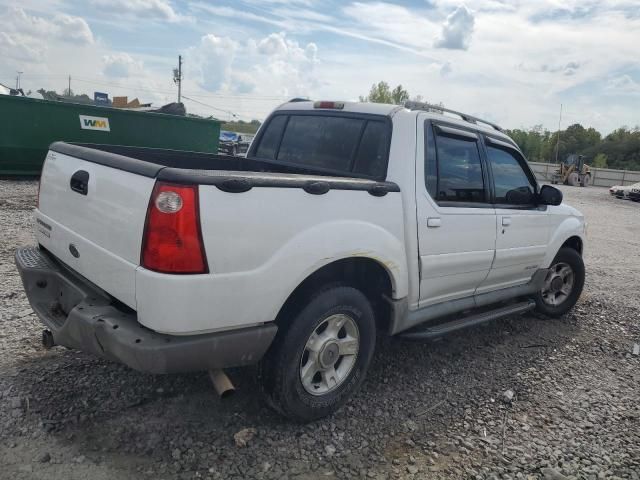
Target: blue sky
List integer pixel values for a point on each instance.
(513, 62)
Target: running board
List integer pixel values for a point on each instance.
(435, 331)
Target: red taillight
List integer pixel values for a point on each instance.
(172, 240)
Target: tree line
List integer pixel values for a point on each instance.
(619, 150)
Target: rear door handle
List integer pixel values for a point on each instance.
(80, 182)
(506, 221)
(434, 222)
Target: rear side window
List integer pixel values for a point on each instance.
(271, 138)
(371, 158)
(342, 144)
(460, 177)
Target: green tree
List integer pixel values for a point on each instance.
(600, 161)
(381, 93)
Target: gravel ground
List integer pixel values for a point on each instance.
(433, 410)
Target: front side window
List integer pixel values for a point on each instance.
(512, 185)
(460, 176)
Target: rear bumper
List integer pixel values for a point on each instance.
(80, 316)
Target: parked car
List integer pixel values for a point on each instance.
(234, 144)
(624, 191)
(345, 221)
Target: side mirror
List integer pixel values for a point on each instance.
(550, 195)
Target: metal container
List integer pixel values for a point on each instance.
(28, 126)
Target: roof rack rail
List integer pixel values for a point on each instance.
(411, 105)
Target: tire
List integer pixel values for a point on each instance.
(574, 179)
(555, 298)
(586, 181)
(324, 392)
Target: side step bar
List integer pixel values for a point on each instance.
(445, 328)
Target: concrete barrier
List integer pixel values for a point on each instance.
(600, 177)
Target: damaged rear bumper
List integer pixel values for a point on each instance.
(82, 317)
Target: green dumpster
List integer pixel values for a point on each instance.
(28, 126)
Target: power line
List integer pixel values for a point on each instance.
(210, 106)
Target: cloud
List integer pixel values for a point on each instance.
(623, 84)
(277, 45)
(121, 65)
(274, 65)
(457, 30)
(73, 29)
(16, 50)
(568, 69)
(274, 44)
(35, 28)
(142, 9)
(210, 61)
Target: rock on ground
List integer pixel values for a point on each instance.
(431, 410)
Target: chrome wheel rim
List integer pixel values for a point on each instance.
(558, 284)
(329, 354)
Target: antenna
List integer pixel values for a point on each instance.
(177, 77)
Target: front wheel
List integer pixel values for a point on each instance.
(322, 357)
(563, 284)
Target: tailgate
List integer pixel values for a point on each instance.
(98, 233)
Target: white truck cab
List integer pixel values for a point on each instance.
(344, 221)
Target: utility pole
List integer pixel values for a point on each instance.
(18, 80)
(69, 91)
(558, 142)
(177, 77)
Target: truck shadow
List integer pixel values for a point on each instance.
(99, 406)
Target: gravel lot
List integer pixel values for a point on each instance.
(432, 410)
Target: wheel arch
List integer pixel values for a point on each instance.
(368, 275)
(574, 242)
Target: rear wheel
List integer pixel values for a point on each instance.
(586, 180)
(563, 284)
(321, 359)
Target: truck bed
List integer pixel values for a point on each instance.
(260, 221)
(150, 161)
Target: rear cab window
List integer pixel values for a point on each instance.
(341, 144)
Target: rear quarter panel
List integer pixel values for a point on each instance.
(261, 245)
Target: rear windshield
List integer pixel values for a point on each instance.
(357, 146)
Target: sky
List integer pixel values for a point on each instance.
(512, 62)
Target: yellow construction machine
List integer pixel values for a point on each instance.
(573, 171)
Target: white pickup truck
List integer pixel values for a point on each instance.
(346, 220)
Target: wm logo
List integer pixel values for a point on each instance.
(94, 123)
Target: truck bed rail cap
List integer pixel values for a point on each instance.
(244, 181)
(108, 159)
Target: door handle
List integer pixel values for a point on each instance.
(506, 221)
(433, 222)
(80, 182)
